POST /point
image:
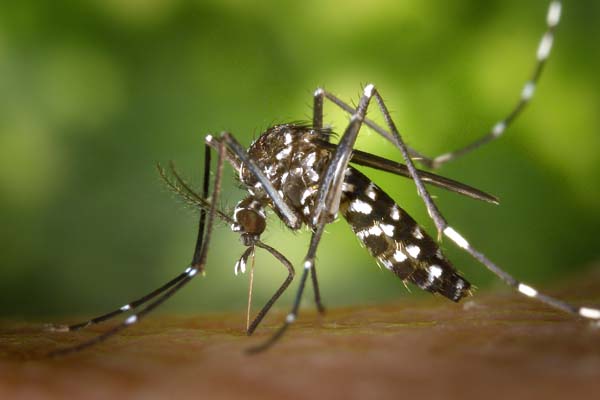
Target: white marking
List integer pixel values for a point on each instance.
(417, 233)
(280, 193)
(298, 171)
(368, 91)
(308, 264)
(310, 159)
(435, 272)
(243, 265)
(236, 268)
(499, 128)
(284, 153)
(545, 46)
(360, 206)
(371, 192)
(290, 318)
(126, 307)
(258, 185)
(456, 237)
(527, 290)
(399, 256)
(312, 175)
(319, 92)
(413, 250)
(188, 269)
(288, 138)
(386, 263)
(442, 159)
(589, 313)
(460, 285)
(270, 170)
(374, 231)
(528, 91)
(348, 172)
(554, 14)
(347, 187)
(306, 194)
(208, 138)
(388, 229)
(284, 177)
(395, 213)
(306, 210)
(193, 272)
(131, 320)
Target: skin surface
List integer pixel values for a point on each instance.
(493, 345)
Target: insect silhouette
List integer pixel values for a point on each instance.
(306, 180)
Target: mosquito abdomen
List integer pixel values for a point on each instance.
(395, 239)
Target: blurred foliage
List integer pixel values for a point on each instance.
(93, 93)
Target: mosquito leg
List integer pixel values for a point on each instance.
(443, 227)
(205, 187)
(261, 314)
(198, 265)
(315, 283)
(327, 205)
(309, 263)
(543, 52)
(524, 289)
(127, 307)
(318, 108)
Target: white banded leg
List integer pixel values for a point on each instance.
(443, 227)
(527, 92)
(125, 308)
(524, 289)
(327, 205)
(190, 272)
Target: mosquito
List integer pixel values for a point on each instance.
(306, 180)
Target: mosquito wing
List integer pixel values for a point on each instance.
(383, 164)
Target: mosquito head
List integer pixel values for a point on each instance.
(250, 220)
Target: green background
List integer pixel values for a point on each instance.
(94, 93)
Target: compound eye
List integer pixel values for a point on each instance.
(251, 222)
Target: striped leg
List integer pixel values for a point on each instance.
(543, 52)
(327, 206)
(261, 314)
(144, 299)
(443, 227)
(199, 262)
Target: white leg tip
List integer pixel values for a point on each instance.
(589, 313)
(499, 128)
(368, 91)
(131, 320)
(527, 290)
(456, 237)
(545, 46)
(290, 318)
(528, 91)
(554, 12)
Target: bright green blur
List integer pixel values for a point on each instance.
(94, 93)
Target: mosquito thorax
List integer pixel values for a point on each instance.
(293, 161)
